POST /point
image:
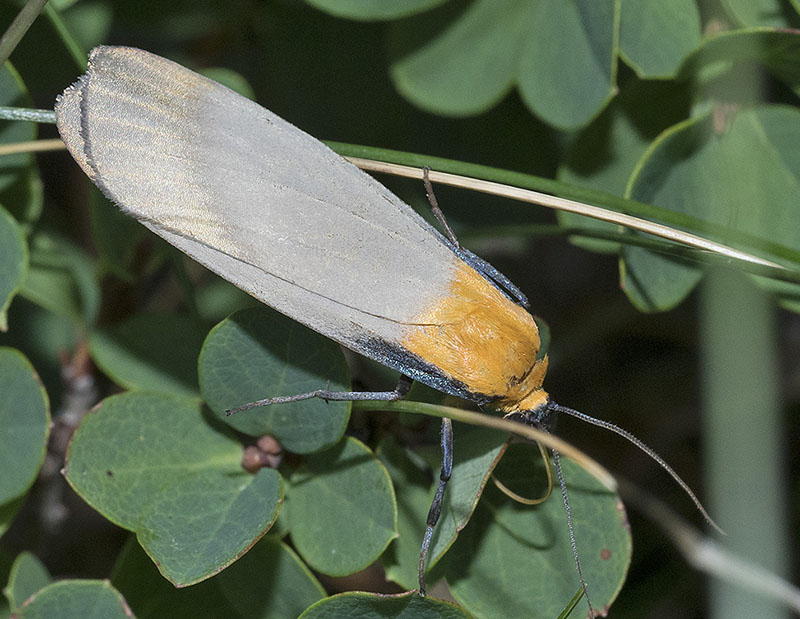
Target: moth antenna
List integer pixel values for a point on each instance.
(571, 527)
(649, 451)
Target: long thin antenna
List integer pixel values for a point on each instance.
(649, 451)
(571, 527)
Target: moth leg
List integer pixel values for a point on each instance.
(491, 274)
(403, 385)
(438, 498)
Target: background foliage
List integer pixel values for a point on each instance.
(690, 109)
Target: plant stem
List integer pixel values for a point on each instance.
(13, 35)
(743, 435)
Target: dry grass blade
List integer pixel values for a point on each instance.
(33, 146)
(570, 206)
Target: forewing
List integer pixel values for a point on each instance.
(255, 199)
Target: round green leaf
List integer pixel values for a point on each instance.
(744, 178)
(203, 521)
(462, 61)
(515, 560)
(476, 452)
(151, 596)
(604, 155)
(61, 279)
(270, 582)
(153, 464)
(447, 70)
(133, 445)
(114, 233)
(25, 419)
(233, 80)
(151, 352)
(655, 282)
(342, 511)
(730, 53)
(374, 606)
(89, 22)
(67, 599)
(761, 12)
(27, 576)
(13, 262)
(655, 35)
(568, 64)
(412, 482)
(373, 10)
(43, 336)
(15, 182)
(258, 353)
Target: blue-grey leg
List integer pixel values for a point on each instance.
(492, 275)
(397, 393)
(436, 505)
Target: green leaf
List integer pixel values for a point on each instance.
(16, 189)
(373, 10)
(444, 68)
(762, 12)
(204, 521)
(27, 576)
(655, 35)
(374, 606)
(568, 63)
(604, 155)
(6, 562)
(153, 464)
(151, 596)
(412, 482)
(269, 582)
(89, 22)
(7, 513)
(461, 62)
(114, 233)
(258, 353)
(24, 198)
(728, 53)
(151, 352)
(476, 452)
(13, 262)
(746, 178)
(341, 507)
(218, 299)
(515, 560)
(61, 279)
(233, 80)
(132, 445)
(67, 599)
(43, 337)
(25, 419)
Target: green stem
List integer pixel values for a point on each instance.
(495, 423)
(540, 184)
(633, 240)
(74, 48)
(13, 35)
(612, 202)
(743, 434)
(27, 114)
